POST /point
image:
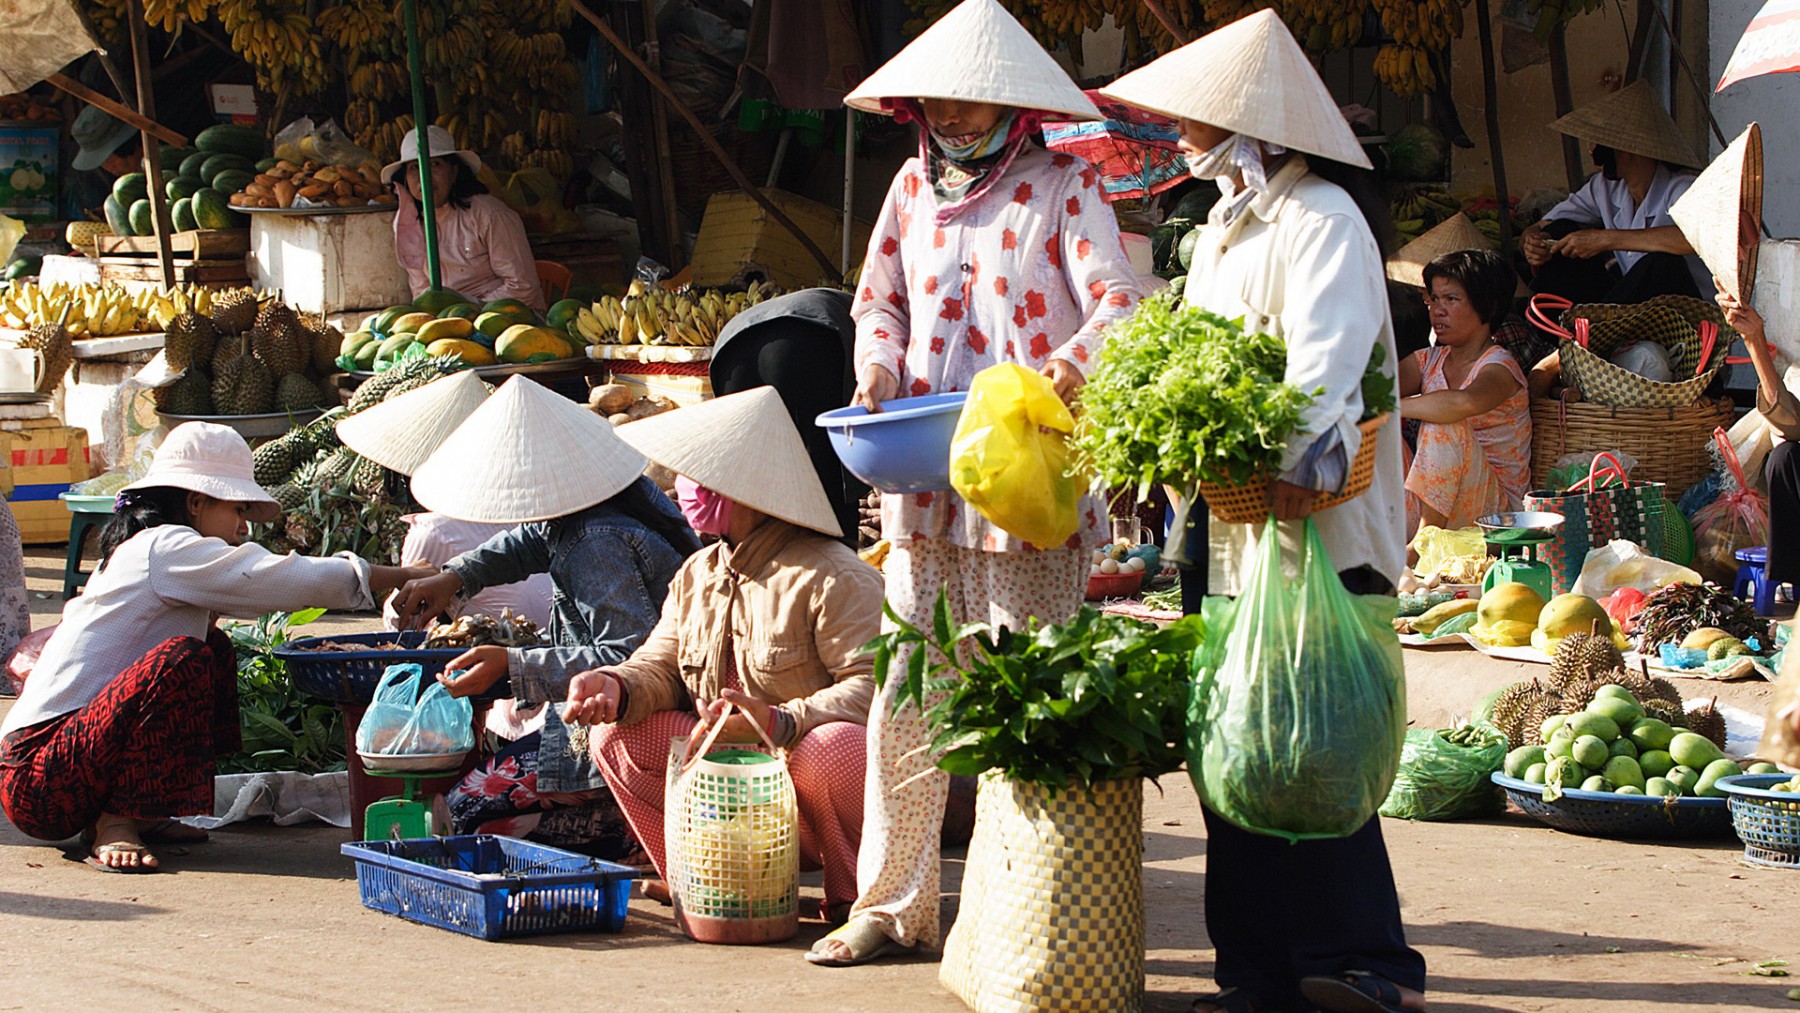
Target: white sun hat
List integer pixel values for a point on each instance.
(744, 447)
(976, 53)
(403, 432)
(1721, 213)
(527, 454)
(208, 458)
(441, 144)
(1630, 119)
(1249, 77)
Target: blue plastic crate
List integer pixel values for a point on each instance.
(491, 887)
(1631, 817)
(349, 677)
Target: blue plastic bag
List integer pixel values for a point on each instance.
(1299, 707)
(401, 721)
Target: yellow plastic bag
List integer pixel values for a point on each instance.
(1010, 455)
(1437, 546)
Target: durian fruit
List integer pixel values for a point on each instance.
(52, 342)
(274, 314)
(1668, 713)
(276, 459)
(189, 395)
(188, 341)
(281, 347)
(297, 393)
(243, 387)
(1661, 689)
(1578, 694)
(1583, 655)
(234, 312)
(325, 342)
(1708, 722)
(1514, 711)
(227, 348)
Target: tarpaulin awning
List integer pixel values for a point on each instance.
(37, 39)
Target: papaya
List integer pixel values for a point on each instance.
(212, 211)
(410, 323)
(131, 188)
(394, 345)
(230, 139)
(141, 224)
(522, 342)
(181, 215)
(116, 217)
(462, 310)
(513, 309)
(354, 341)
(562, 315)
(436, 300)
(366, 353)
(472, 353)
(452, 328)
(383, 324)
(493, 324)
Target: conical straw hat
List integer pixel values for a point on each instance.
(742, 446)
(977, 53)
(1454, 233)
(1630, 119)
(401, 433)
(1721, 214)
(1249, 77)
(527, 454)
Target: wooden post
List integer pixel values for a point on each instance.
(118, 109)
(1573, 166)
(1490, 97)
(1156, 8)
(659, 134)
(146, 100)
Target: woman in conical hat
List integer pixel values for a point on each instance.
(1314, 923)
(1613, 240)
(576, 505)
(989, 249)
(767, 624)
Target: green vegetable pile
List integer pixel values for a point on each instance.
(1179, 395)
(283, 728)
(1099, 698)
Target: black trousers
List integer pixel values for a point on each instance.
(1595, 281)
(1783, 469)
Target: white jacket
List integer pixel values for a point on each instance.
(1301, 264)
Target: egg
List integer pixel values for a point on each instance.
(1133, 565)
(1109, 566)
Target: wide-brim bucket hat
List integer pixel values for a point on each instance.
(744, 447)
(442, 144)
(1250, 77)
(402, 433)
(976, 53)
(208, 458)
(1721, 213)
(1631, 119)
(527, 454)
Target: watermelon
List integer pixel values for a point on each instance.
(116, 218)
(264, 165)
(173, 157)
(182, 186)
(212, 211)
(1417, 151)
(133, 186)
(141, 224)
(190, 166)
(229, 139)
(26, 265)
(181, 214)
(222, 163)
(232, 181)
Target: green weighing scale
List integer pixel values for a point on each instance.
(1513, 538)
(407, 815)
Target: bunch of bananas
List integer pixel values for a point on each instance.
(1406, 70)
(1421, 210)
(280, 43)
(100, 311)
(1429, 25)
(169, 14)
(649, 316)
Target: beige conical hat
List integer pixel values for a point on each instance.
(1630, 119)
(978, 53)
(742, 446)
(1249, 77)
(1454, 233)
(527, 454)
(401, 433)
(1721, 214)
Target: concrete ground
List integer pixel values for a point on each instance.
(1510, 916)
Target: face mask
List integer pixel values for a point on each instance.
(979, 148)
(706, 511)
(1216, 162)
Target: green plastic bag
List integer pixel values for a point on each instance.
(1299, 707)
(1440, 780)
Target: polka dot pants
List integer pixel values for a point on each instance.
(897, 872)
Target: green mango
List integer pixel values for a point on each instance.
(1656, 762)
(1685, 778)
(1628, 789)
(1691, 749)
(1534, 774)
(1595, 783)
(1762, 767)
(1560, 744)
(1550, 725)
(1622, 712)
(1624, 770)
(1651, 733)
(1623, 746)
(1708, 786)
(1590, 752)
(1521, 759)
(1593, 723)
(1661, 787)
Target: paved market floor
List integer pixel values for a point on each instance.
(1511, 916)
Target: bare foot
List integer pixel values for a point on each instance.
(170, 831)
(117, 846)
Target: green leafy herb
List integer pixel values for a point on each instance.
(283, 728)
(1183, 395)
(1379, 394)
(1099, 698)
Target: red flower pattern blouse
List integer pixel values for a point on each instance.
(1031, 270)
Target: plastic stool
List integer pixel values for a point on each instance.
(1753, 575)
(85, 514)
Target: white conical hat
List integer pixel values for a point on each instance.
(1721, 213)
(1249, 77)
(1630, 119)
(977, 53)
(527, 454)
(402, 432)
(742, 446)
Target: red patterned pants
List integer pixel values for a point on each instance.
(143, 748)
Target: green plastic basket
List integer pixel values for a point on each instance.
(1678, 536)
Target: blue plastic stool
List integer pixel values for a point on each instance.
(1753, 574)
(85, 514)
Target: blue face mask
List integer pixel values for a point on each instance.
(981, 147)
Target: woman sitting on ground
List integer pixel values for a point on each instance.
(771, 620)
(135, 695)
(1474, 449)
(1781, 409)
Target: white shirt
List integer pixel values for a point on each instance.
(166, 582)
(435, 539)
(1301, 264)
(1607, 204)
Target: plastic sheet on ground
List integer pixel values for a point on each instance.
(289, 797)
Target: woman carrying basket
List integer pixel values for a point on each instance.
(989, 249)
(1295, 253)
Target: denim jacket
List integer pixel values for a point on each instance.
(611, 574)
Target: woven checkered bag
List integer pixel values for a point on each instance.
(1594, 514)
(1692, 331)
(1052, 914)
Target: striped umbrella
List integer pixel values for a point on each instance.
(1771, 44)
(1135, 151)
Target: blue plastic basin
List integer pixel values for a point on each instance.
(904, 448)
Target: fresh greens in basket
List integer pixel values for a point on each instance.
(283, 728)
(1098, 698)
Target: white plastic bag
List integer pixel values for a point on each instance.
(1620, 563)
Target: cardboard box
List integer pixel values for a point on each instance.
(739, 240)
(685, 383)
(36, 467)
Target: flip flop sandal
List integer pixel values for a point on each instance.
(101, 850)
(1228, 1000)
(1353, 992)
(865, 940)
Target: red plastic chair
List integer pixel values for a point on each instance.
(555, 278)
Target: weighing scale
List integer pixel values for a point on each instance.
(407, 816)
(1515, 537)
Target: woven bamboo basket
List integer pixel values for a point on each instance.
(1249, 504)
(1669, 443)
